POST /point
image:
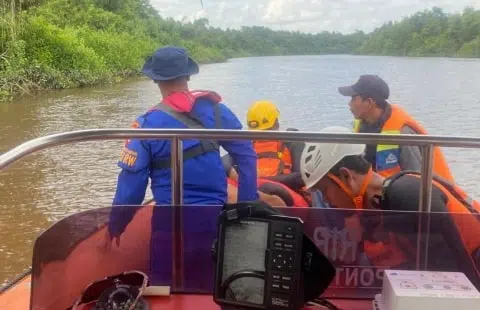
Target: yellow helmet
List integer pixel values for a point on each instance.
(262, 115)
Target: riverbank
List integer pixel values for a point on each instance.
(57, 44)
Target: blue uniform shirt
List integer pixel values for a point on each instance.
(204, 176)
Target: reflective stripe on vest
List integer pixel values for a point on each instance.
(192, 122)
(356, 125)
(388, 156)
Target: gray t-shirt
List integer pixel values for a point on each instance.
(410, 155)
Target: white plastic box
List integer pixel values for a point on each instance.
(426, 290)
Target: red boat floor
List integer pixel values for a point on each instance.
(18, 298)
(67, 277)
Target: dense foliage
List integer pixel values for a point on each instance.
(71, 43)
(428, 33)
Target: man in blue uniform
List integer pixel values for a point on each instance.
(203, 176)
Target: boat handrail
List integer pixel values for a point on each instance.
(425, 142)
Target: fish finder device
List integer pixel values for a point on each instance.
(264, 260)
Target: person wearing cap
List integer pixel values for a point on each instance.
(345, 178)
(204, 179)
(373, 114)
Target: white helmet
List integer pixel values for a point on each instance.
(318, 158)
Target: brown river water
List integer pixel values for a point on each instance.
(444, 94)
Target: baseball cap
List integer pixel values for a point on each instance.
(368, 85)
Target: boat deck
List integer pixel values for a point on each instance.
(17, 297)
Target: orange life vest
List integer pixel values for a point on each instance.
(458, 202)
(391, 252)
(290, 197)
(274, 158)
(387, 156)
(380, 253)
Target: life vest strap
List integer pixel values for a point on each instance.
(194, 151)
(466, 201)
(278, 155)
(192, 122)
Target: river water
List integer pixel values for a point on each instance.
(444, 94)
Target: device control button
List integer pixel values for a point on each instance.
(276, 285)
(278, 266)
(278, 244)
(286, 278)
(289, 236)
(286, 287)
(288, 246)
(278, 235)
(290, 228)
(276, 277)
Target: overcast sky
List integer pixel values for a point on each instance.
(303, 15)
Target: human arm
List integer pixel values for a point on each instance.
(292, 180)
(243, 156)
(130, 192)
(131, 185)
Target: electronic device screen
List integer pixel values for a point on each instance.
(259, 263)
(244, 248)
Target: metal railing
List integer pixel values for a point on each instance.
(425, 142)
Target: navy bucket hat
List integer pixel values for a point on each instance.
(168, 63)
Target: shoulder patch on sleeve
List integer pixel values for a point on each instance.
(128, 157)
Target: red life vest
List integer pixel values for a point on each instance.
(183, 101)
(290, 197)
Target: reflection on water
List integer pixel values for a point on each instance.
(441, 93)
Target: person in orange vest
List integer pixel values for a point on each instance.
(346, 180)
(373, 114)
(274, 157)
(276, 160)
